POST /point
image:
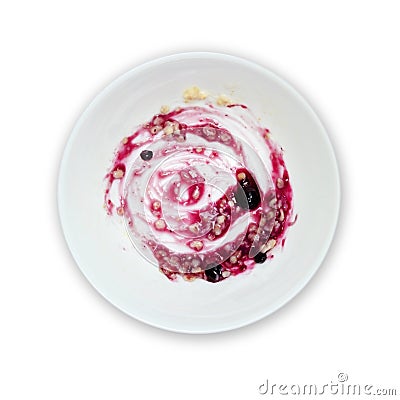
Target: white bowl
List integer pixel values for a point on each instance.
(102, 248)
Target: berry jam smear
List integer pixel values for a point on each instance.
(203, 190)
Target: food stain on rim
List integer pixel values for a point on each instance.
(203, 189)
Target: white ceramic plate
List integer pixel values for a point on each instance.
(102, 248)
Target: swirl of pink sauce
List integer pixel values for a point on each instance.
(203, 190)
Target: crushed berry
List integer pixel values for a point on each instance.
(214, 273)
(260, 258)
(247, 194)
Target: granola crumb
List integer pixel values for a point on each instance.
(233, 260)
(193, 93)
(280, 183)
(189, 278)
(164, 109)
(118, 173)
(226, 274)
(223, 100)
(155, 129)
(160, 224)
(268, 246)
(196, 245)
(241, 176)
(168, 130)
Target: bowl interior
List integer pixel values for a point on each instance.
(101, 246)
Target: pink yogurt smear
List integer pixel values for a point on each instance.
(191, 202)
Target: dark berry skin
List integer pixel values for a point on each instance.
(260, 258)
(146, 155)
(248, 199)
(213, 273)
(247, 194)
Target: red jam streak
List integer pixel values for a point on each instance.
(174, 212)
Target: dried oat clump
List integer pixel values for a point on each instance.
(223, 100)
(193, 93)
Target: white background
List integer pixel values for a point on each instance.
(62, 340)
